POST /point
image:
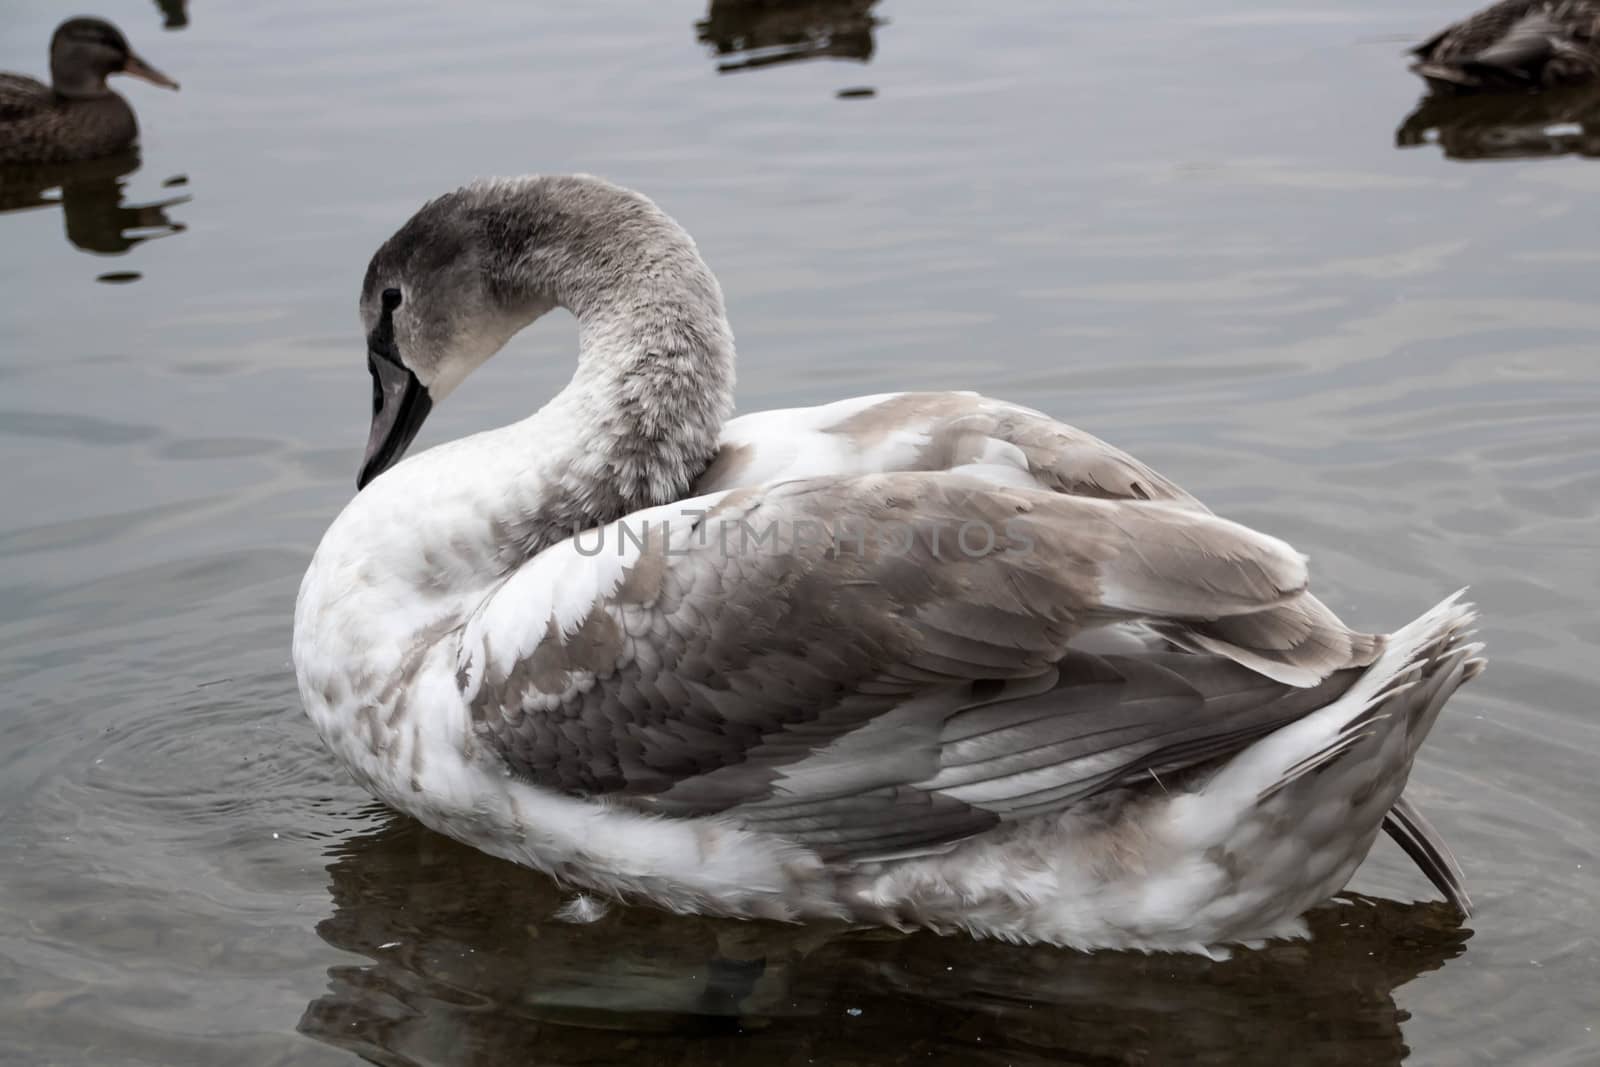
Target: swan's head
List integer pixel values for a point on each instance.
(473, 267)
(84, 52)
(440, 297)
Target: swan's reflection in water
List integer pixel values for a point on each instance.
(468, 968)
(747, 34)
(1526, 126)
(90, 195)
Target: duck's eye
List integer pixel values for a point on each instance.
(391, 299)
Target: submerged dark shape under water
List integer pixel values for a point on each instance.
(487, 978)
(91, 198)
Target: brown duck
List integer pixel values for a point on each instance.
(76, 116)
(1515, 46)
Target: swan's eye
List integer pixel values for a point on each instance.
(391, 299)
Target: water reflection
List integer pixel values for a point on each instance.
(174, 13)
(468, 968)
(91, 199)
(761, 33)
(1526, 126)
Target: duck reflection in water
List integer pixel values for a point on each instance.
(469, 967)
(1529, 126)
(748, 34)
(91, 198)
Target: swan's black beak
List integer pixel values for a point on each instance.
(400, 403)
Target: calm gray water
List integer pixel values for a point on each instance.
(1184, 225)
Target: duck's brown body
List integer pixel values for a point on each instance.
(1515, 46)
(76, 116)
(39, 126)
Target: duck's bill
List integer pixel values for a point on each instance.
(400, 405)
(138, 68)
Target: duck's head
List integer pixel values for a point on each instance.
(85, 51)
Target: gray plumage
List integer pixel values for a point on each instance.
(75, 117)
(764, 657)
(1108, 687)
(873, 704)
(1515, 46)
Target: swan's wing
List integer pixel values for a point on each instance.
(1299, 642)
(862, 695)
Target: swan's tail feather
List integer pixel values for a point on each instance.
(1348, 761)
(1421, 665)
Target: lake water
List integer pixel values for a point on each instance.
(1210, 232)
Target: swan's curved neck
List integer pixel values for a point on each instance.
(641, 417)
(638, 423)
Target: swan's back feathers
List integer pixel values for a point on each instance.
(867, 703)
(1297, 641)
(930, 432)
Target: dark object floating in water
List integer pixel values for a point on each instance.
(176, 179)
(119, 277)
(860, 92)
(763, 33)
(1515, 46)
(1563, 122)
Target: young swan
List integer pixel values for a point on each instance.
(922, 659)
